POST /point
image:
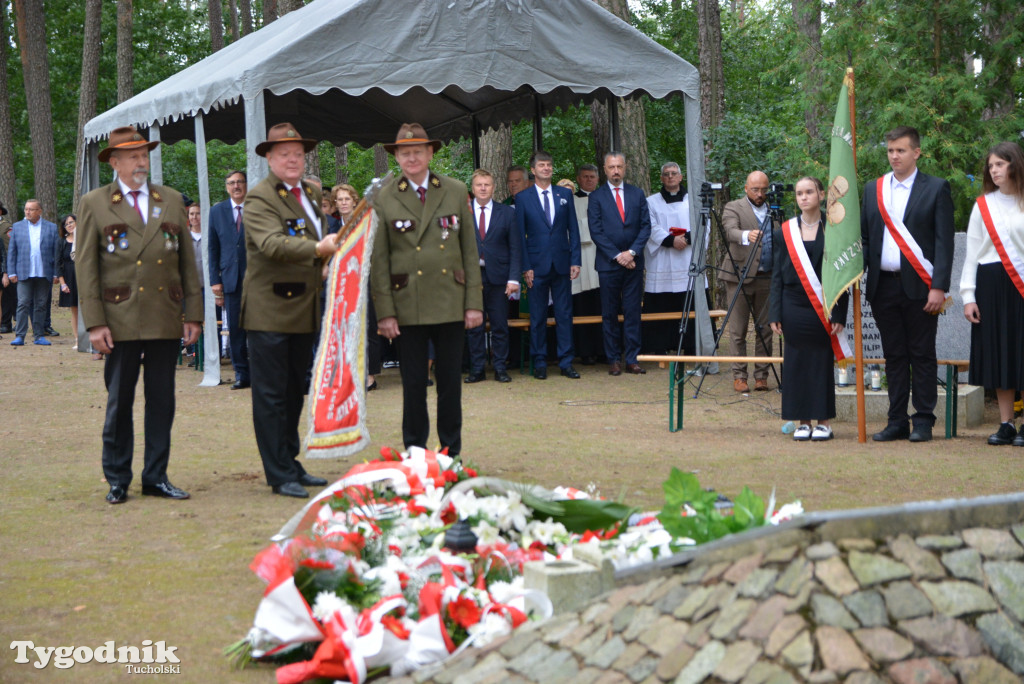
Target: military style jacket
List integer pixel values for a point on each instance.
(134, 278)
(425, 267)
(281, 289)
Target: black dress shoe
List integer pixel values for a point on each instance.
(635, 369)
(6, 329)
(570, 372)
(372, 387)
(430, 383)
(502, 376)
(891, 433)
(921, 433)
(117, 494)
(1006, 434)
(1019, 439)
(475, 377)
(165, 490)
(541, 373)
(307, 480)
(241, 384)
(50, 332)
(293, 489)
(614, 368)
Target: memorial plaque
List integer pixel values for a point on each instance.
(953, 340)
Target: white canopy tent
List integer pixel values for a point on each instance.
(355, 70)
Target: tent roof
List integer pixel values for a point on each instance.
(354, 70)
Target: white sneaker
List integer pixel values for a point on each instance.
(802, 433)
(821, 433)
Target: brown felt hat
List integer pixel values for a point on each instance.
(282, 133)
(125, 138)
(411, 134)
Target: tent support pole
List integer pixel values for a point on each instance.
(156, 158)
(538, 124)
(477, 133)
(613, 124)
(211, 339)
(255, 132)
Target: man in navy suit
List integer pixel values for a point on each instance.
(907, 289)
(546, 218)
(227, 268)
(620, 223)
(500, 249)
(31, 263)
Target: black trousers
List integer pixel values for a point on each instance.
(412, 355)
(121, 375)
(908, 343)
(8, 303)
(621, 291)
(496, 311)
(277, 366)
(237, 335)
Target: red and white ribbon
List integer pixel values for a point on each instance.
(1008, 253)
(811, 284)
(904, 240)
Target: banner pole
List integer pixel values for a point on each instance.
(858, 336)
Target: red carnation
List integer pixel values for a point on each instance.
(448, 515)
(464, 611)
(451, 476)
(395, 626)
(470, 472)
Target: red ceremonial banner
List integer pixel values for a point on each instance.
(337, 405)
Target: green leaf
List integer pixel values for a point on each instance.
(748, 509)
(580, 515)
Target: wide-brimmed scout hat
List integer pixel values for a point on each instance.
(411, 134)
(125, 138)
(282, 133)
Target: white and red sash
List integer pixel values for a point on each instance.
(812, 285)
(904, 240)
(1008, 254)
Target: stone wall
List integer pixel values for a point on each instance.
(924, 593)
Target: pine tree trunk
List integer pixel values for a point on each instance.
(807, 14)
(341, 164)
(380, 160)
(91, 44)
(313, 163)
(35, 67)
(215, 16)
(632, 122)
(245, 17)
(125, 53)
(269, 11)
(496, 156)
(8, 177)
(712, 108)
(286, 6)
(233, 15)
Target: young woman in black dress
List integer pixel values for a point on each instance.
(796, 311)
(66, 272)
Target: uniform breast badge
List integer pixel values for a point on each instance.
(448, 224)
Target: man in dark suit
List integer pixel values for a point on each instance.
(227, 269)
(907, 233)
(32, 265)
(500, 248)
(546, 218)
(135, 270)
(425, 277)
(287, 246)
(620, 223)
(516, 180)
(743, 220)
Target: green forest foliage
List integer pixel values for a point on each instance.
(950, 69)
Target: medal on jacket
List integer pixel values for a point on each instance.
(169, 242)
(122, 243)
(110, 246)
(448, 224)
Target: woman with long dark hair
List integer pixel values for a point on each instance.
(68, 298)
(992, 285)
(797, 311)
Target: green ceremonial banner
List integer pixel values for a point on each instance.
(844, 259)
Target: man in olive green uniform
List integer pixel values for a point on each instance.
(426, 284)
(286, 247)
(135, 268)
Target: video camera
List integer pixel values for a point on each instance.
(775, 193)
(707, 195)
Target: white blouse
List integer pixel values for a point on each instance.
(1006, 213)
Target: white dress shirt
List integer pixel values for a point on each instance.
(900, 194)
(307, 206)
(143, 197)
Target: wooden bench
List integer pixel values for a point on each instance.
(523, 326)
(676, 381)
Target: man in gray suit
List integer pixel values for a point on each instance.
(31, 263)
(743, 219)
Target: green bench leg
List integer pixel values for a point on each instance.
(952, 399)
(676, 387)
(200, 352)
